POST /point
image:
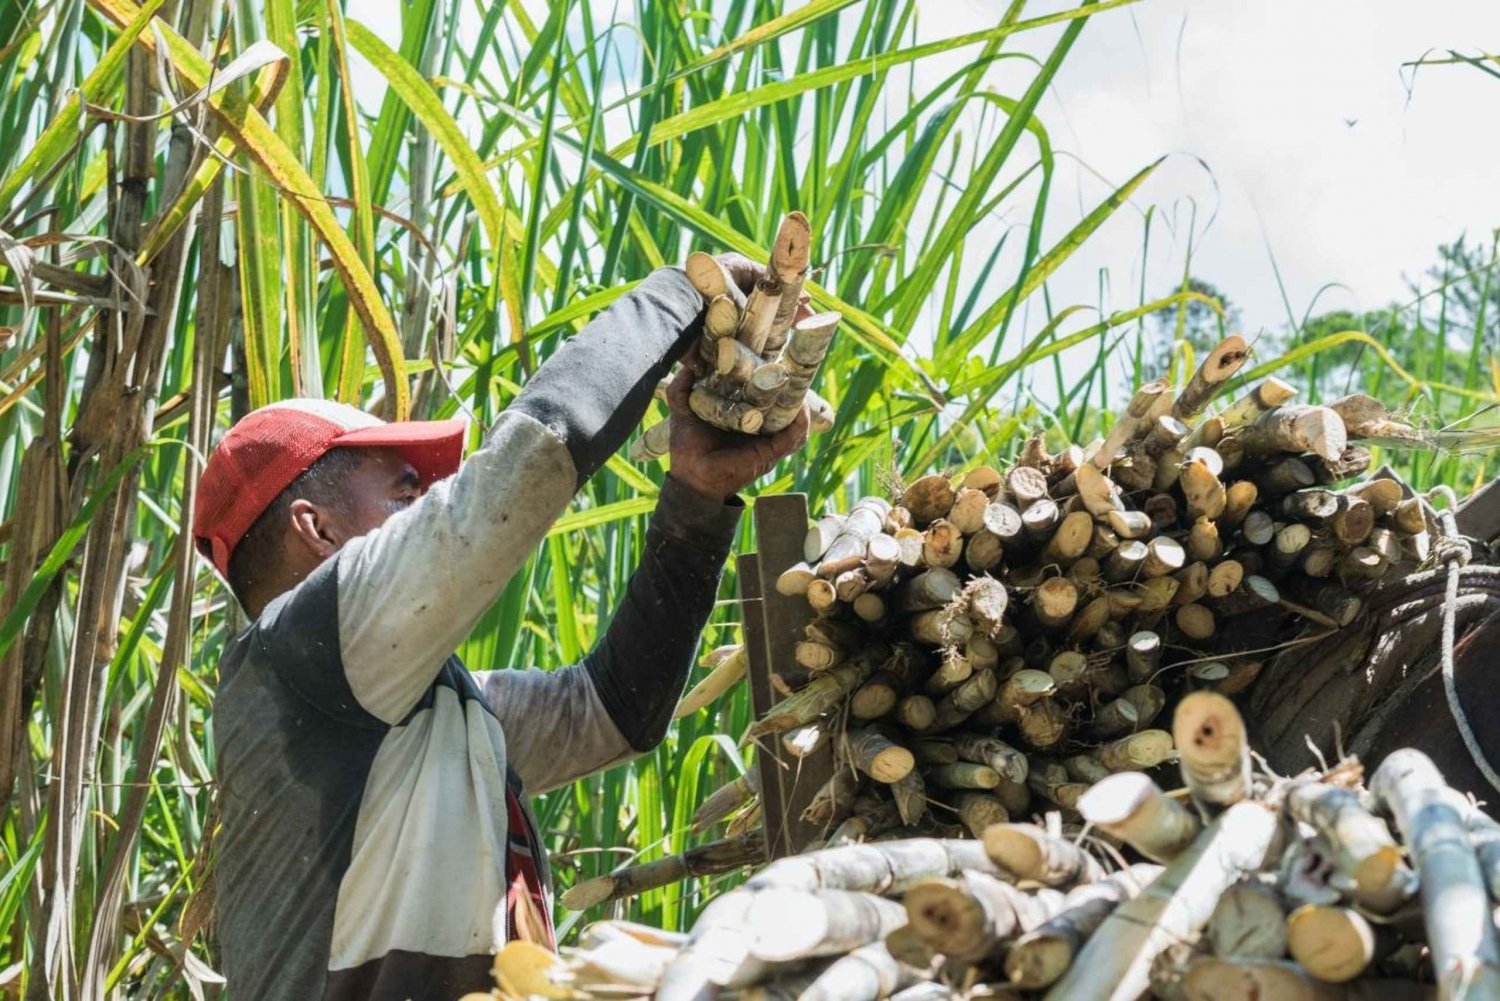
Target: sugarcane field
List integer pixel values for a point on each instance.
(713, 500)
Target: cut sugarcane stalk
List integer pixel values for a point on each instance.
(724, 675)
(1213, 748)
(975, 915)
(1039, 957)
(1227, 357)
(1028, 852)
(790, 924)
(704, 860)
(802, 356)
(1131, 807)
(1456, 906)
(1115, 964)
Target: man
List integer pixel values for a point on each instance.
(371, 788)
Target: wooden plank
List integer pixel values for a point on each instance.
(1478, 516)
(780, 527)
(762, 696)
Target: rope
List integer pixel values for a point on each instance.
(1454, 551)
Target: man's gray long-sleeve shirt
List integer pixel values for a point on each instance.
(363, 768)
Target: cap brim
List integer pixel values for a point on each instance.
(434, 448)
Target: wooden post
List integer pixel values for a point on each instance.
(773, 625)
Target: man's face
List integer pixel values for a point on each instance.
(382, 484)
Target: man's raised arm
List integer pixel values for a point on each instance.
(410, 592)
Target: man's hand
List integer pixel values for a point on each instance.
(718, 463)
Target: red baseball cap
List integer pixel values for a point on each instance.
(268, 449)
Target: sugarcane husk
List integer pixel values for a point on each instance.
(728, 672)
(1131, 807)
(1030, 853)
(725, 800)
(1456, 907)
(790, 924)
(928, 498)
(1223, 361)
(1006, 760)
(1039, 957)
(975, 915)
(1115, 963)
(709, 859)
(1213, 748)
(802, 357)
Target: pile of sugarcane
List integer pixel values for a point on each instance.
(999, 640)
(1254, 887)
(755, 360)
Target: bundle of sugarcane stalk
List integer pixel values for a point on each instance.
(757, 356)
(1250, 886)
(997, 641)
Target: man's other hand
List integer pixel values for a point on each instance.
(719, 463)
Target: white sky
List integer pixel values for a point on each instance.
(1291, 124)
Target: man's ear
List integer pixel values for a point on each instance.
(312, 527)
